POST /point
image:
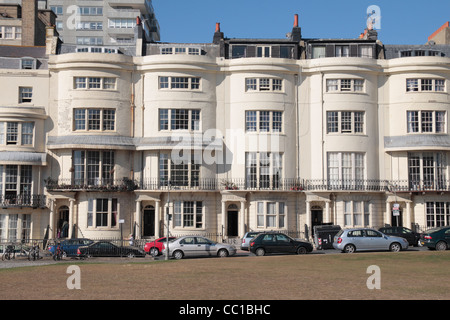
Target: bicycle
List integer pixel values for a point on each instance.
(58, 255)
(9, 253)
(34, 253)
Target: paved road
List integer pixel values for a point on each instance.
(47, 259)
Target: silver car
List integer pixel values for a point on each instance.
(351, 240)
(195, 246)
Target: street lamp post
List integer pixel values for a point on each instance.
(167, 220)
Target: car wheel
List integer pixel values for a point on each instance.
(260, 252)
(222, 253)
(349, 248)
(301, 250)
(178, 254)
(131, 255)
(154, 252)
(395, 247)
(441, 246)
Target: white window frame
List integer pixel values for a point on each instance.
(182, 217)
(25, 94)
(415, 123)
(356, 213)
(265, 84)
(437, 85)
(194, 122)
(271, 215)
(81, 120)
(91, 221)
(357, 119)
(346, 169)
(345, 85)
(255, 124)
(95, 83)
(179, 83)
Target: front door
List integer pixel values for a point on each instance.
(316, 218)
(149, 222)
(232, 225)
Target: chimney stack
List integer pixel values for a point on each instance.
(296, 21)
(218, 36)
(296, 34)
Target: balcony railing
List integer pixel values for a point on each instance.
(269, 184)
(23, 200)
(94, 184)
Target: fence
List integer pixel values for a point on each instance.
(251, 183)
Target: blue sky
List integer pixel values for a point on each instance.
(402, 22)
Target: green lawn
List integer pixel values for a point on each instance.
(404, 276)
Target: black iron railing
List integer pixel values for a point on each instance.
(265, 183)
(22, 200)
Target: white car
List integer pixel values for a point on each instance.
(364, 239)
(195, 246)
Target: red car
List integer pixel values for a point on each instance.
(155, 247)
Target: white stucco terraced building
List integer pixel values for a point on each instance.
(233, 135)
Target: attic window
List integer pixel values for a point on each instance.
(28, 63)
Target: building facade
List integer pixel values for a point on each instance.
(235, 135)
(99, 25)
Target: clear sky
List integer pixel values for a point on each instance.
(402, 22)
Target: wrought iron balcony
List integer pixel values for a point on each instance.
(267, 183)
(22, 200)
(95, 184)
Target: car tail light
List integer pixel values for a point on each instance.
(78, 251)
(428, 237)
(243, 240)
(339, 240)
(162, 246)
(252, 243)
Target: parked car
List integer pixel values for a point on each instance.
(436, 238)
(70, 246)
(108, 249)
(412, 237)
(274, 242)
(155, 247)
(364, 239)
(245, 242)
(194, 246)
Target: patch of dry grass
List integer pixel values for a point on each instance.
(404, 276)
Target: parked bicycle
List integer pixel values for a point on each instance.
(34, 252)
(9, 253)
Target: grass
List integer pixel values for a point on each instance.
(404, 276)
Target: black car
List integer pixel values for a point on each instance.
(437, 238)
(266, 243)
(412, 237)
(107, 249)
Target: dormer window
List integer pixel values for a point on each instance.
(28, 63)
